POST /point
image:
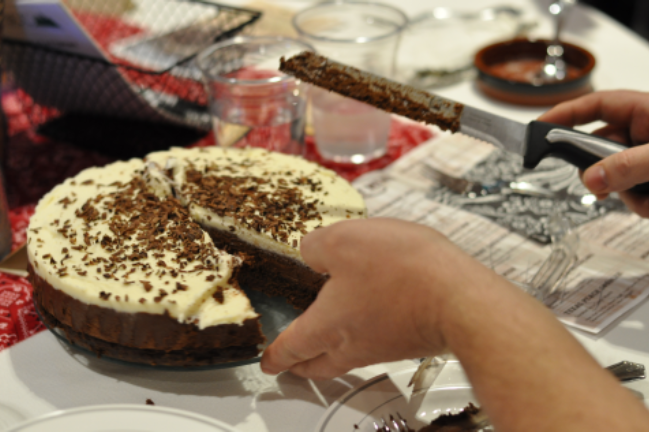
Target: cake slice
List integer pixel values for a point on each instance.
(374, 90)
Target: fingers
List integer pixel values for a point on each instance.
(636, 203)
(615, 133)
(312, 253)
(322, 249)
(294, 345)
(320, 368)
(613, 107)
(601, 196)
(618, 172)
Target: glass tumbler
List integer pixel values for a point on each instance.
(364, 35)
(251, 103)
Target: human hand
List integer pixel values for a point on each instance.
(389, 282)
(627, 116)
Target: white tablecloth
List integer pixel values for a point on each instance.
(38, 375)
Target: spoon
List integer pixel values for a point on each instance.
(554, 68)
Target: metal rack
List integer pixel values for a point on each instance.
(146, 71)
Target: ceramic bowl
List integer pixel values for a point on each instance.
(506, 72)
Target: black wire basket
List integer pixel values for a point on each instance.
(143, 67)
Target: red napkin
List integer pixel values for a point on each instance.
(18, 319)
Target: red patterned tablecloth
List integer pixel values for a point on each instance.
(18, 319)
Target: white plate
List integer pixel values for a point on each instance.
(389, 394)
(123, 418)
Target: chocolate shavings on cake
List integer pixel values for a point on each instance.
(277, 207)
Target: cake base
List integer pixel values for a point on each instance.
(157, 340)
(180, 358)
(269, 272)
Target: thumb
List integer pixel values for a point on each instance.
(298, 343)
(619, 172)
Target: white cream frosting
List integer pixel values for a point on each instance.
(333, 197)
(62, 248)
(66, 250)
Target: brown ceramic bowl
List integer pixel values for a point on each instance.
(506, 70)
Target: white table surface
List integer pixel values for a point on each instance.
(39, 375)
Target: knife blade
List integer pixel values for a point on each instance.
(533, 141)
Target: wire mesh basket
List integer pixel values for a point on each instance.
(128, 58)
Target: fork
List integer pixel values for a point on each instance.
(393, 424)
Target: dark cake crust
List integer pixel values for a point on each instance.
(177, 358)
(269, 272)
(143, 337)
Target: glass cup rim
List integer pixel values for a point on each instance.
(242, 40)
(305, 33)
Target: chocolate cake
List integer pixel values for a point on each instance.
(374, 90)
(123, 261)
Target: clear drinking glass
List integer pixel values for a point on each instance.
(360, 34)
(252, 104)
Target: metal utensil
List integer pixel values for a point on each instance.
(627, 371)
(533, 141)
(554, 68)
(393, 424)
(565, 244)
(474, 419)
(473, 190)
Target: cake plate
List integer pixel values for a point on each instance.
(276, 315)
(122, 417)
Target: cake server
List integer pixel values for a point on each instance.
(533, 141)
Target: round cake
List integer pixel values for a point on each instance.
(147, 260)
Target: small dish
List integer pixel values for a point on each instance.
(506, 72)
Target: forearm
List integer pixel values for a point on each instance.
(527, 371)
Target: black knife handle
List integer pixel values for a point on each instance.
(578, 148)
